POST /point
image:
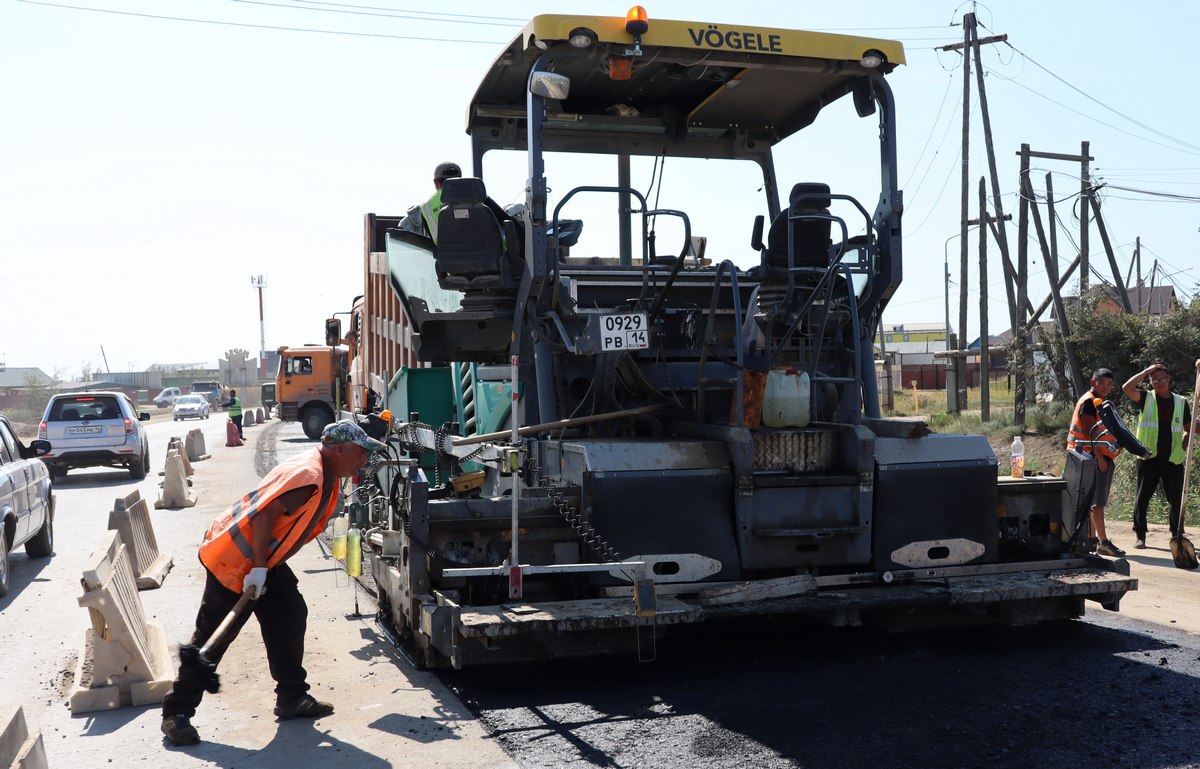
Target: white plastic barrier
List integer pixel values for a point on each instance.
(124, 660)
(130, 517)
(175, 490)
(18, 748)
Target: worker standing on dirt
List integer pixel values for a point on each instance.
(234, 404)
(422, 219)
(245, 551)
(1104, 448)
(1162, 427)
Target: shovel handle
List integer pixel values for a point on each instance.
(234, 614)
(1187, 456)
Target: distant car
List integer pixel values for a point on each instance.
(95, 429)
(167, 397)
(191, 407)
(26, 501)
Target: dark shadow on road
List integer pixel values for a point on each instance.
(786, 694)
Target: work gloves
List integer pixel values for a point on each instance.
(255, 582)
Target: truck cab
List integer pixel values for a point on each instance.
(310, 385)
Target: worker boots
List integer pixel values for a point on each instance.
(179, 730)
(305, 706)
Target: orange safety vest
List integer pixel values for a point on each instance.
(1081, 430)
(227, 550)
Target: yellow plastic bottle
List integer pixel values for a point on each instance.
(354, 552)
(339, 538)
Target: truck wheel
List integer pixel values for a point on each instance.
(42, 544)
(314, 421)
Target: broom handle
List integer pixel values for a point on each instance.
(1187, 455)
(236, 612)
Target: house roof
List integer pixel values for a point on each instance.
(16, 378)
(1151, 300)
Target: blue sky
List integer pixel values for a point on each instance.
(149, 167)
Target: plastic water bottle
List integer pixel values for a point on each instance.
(354, 552)
(1018, 457)
(340, 525)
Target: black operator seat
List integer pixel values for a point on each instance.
(810, 232)
(474, 251)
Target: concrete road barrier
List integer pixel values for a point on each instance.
(176, 444)
(263, 415)
(130, 517)
(248, 419)
(18, 748)
(194, 444)
(176, 492)
(124, 660)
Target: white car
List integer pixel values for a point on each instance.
(190, 407)
(26, 500)
(95, 429)
(167, 397)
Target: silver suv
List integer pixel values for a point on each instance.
(95, 429)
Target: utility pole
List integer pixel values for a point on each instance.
(260, 282)
(970, 47)
(985, 398)
(1085, 196)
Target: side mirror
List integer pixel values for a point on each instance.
(864, 97)
(549, 85)
(333, 332)
(144, 416)
(756, 236)
(39, 447)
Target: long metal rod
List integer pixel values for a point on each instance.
(561, 424)
(514, 580)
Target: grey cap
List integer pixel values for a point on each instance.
(446, 171)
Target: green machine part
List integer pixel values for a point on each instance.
(426, 391)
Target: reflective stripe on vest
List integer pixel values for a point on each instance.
(235, 408)
(429, 212)
(1147, 427)
(1081, 425)
(227, 549)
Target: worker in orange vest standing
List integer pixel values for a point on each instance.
(245, 551)
(1088, 434)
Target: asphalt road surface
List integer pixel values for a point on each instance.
(786, 694)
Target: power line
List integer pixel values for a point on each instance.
(410, 10)
(401, 15)
(258, 26)
(1195, 149)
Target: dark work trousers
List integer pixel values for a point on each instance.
(282, 618)
(237, 422)
(1149, 473)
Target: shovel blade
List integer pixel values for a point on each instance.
(1183, 553)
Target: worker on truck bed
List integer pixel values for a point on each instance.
(1092, 437)
(245, 551)
(422, 219)
(234, 404)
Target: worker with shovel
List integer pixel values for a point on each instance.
(1163, 426)
(244, 554)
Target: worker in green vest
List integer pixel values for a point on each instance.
(422, 219)
(1163, 426)
(234, 405)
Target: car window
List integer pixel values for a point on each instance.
(84, 407)
(190, 399)
(8, 446)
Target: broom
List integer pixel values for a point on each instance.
(1182, 551)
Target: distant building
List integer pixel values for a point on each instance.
(895, 333)
(1155, 301)
(16, 385)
